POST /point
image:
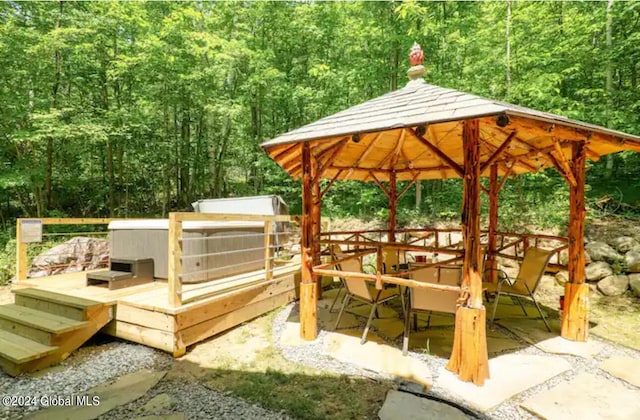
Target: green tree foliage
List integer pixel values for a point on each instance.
(139, 108)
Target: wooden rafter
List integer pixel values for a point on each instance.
(364, 154)
(406, 188)
(284, 152)
(437, 152)
(334, 152)
(394, 151)
(379, 184)
(498, 152)
(326, 188)
(564, 164)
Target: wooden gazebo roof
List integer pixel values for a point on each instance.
(417, 131)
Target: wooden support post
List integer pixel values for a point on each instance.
(21, 254)
(175, 261)
(469, 357)
(316, 215)
(308, 288)
(268, 250)
(494, 191)
(575, 323)
(393, 202)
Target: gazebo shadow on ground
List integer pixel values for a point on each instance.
(512, 330)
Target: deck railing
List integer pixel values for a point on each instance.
(177, 255)
(25, 226)
(433, 241)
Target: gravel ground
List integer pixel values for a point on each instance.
(315, 356)
(97, 364)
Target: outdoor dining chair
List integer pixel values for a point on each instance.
(431, 300)
(525, 284)
(360, 290)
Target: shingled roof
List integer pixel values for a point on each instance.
(416, 131)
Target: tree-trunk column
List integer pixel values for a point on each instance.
(469, 358)
(575, 325)
(494, 191)
(308, 289)
(393, 203)
(316, 215)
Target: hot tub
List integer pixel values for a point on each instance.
(240, 246)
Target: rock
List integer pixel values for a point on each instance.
(77, 254)
(124, 390)
(598, 270)
(624, 244)
(401, 405)
(511, 374)
(586, 396)
(623, 367)
(600, 251)
(632, 260)
(161, 402)
(634, 283)
(562, 277)
(613, 285)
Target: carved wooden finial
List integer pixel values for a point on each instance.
(416, 57)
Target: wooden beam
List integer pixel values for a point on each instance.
(316, 218)
(559, 168)
(505, 177)
(575, 324)
(405, 189)
(364, 154)
(286, 152)
(498, 152)
(268, 250)
(21, 254)
(564, 164)
(379, 184)
(326, 188)
(398, 150)
(437, 152)
(334, 152)
(308, 289)
(492, 241)
(174, 270)
(393, 202)
(469, 357)
(394, 152)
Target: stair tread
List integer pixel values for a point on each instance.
(19, 349)
(39, 319)
(49, 296)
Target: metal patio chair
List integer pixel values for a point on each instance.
(525, 284)
(365, 292)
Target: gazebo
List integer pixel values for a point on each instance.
(422, 131)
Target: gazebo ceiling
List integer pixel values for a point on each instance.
(416, 131)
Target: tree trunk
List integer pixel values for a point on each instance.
(508, 49)
(469, 357)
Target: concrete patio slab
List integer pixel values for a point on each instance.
(436, 320)
(401, 405)
(384, 311)
(376, 356)
(623, 367)
(533, 331)
(586, 397)
(509, 309)
(510, 375)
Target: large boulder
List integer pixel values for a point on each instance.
(600, 251)
(77, 254)
(613, 285)
(634, 284)
(598, 270)
(632, 260)
(564, 257)
(624, 244)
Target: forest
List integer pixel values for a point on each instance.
(130, 109)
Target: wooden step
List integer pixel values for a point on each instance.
(19, 349)
(36, 325)
(56, 303)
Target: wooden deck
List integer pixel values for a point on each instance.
(142, 313)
